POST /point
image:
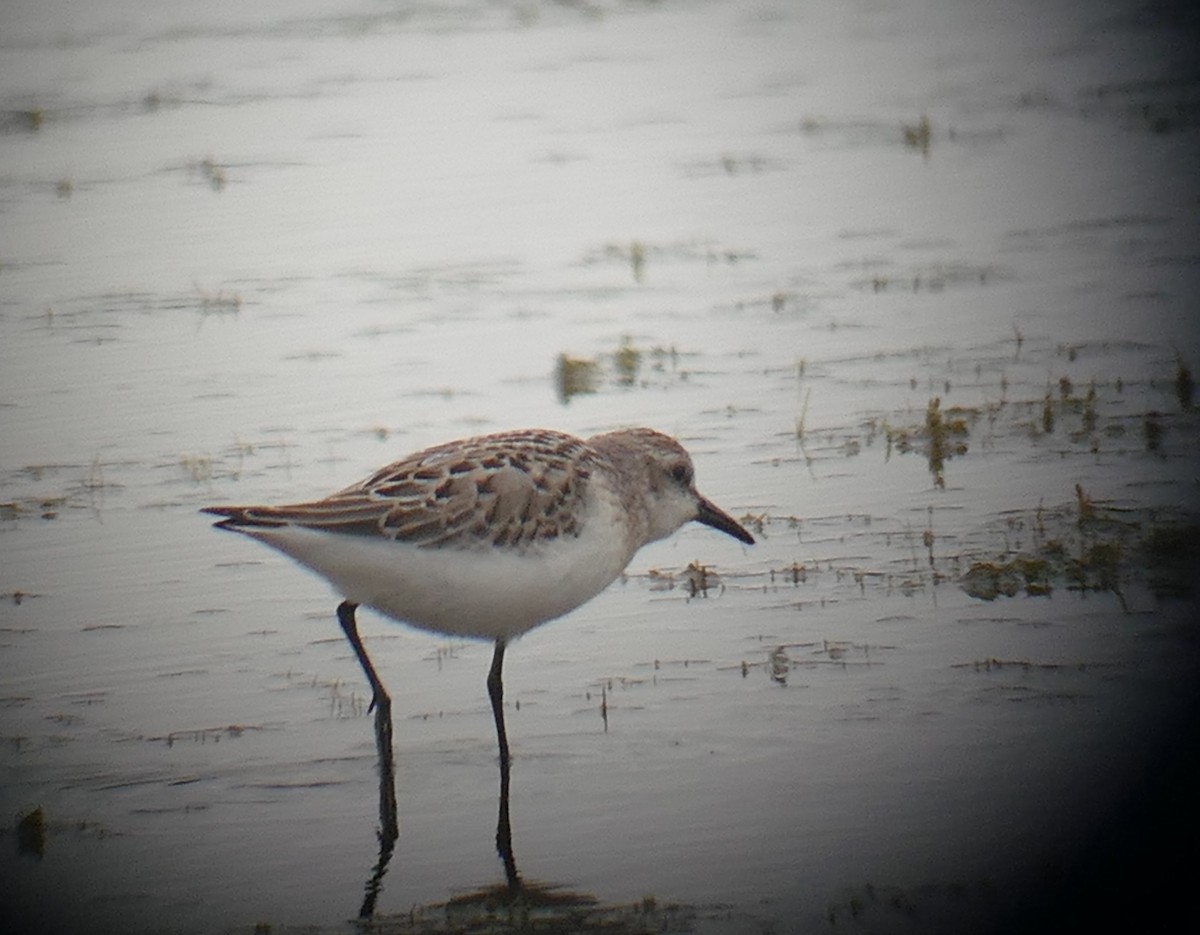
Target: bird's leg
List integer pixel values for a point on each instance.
(379, 695)
(381, 702)
(504, 848)
(495, 686)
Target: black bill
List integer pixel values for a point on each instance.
(717, 518)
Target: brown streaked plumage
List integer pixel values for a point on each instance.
(488, 537)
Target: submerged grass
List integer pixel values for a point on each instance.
(943, 436)
(627, 367)
(1092, 547)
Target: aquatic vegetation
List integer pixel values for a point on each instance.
(1170, 552)
(213, 172)
(933, 277)
(1096, 568)
(918, 135)
(1089, 410)
(802, 418)
(946, 436)
(574, 376)
(31, 833)
(1185, 386)
(205, 735)
(1089, 546)
(28, 120)
(627, 360)
(1082, 545)
(989, 580)
(1087, 509)
(627, 367)
(636, 254)
(198, 467)
(942, 436)
(45, 507)
(700, 579)
(697, 579)
(927, 906)
(33, 827)
(1153, 430)
(219, 302)
(637, 259)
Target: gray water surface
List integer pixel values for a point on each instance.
(915, 284)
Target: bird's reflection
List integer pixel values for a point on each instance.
(503, 906)
(389, 821)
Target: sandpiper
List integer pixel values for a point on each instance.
(489, 537)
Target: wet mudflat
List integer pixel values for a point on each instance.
(915, 285)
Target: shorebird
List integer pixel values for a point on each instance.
(488, 537)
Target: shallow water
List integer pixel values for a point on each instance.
(251, 254)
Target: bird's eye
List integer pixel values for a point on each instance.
(682, 474)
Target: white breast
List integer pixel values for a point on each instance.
(486, 593)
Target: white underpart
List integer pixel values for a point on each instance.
(487, 593)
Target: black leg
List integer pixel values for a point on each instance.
(495, 685)
(345, 615)
(381, 702)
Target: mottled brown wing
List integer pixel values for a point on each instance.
(509, 490)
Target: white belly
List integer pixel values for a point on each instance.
(483, 593)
